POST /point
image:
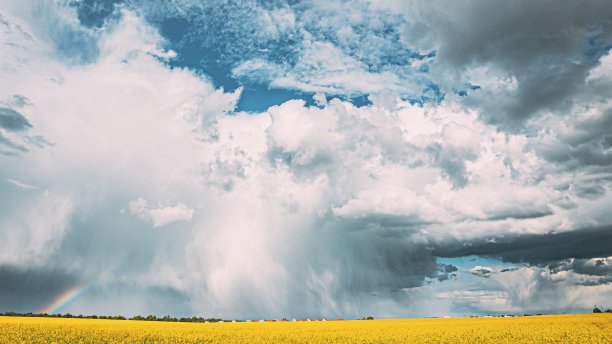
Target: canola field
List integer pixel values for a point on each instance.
(585, 328)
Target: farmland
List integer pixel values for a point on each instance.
(585, 328)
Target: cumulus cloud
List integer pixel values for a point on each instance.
(112, 124)
(491, 42)
(299, 210)
(323, 67)
(295, 46)
(161, 215)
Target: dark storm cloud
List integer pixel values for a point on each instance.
(536, 248)
(12, 120)
(547, 46)
(31, 289)
(592, 272)
(600, 281)
(132, 299)
(451, 163)
(93, 243)
(446, 272)
(93, 251)
(594, 267)
(592, 128)
(590, 191)
(586, 144)
(371, 262)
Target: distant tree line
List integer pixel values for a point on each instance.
(151, 317)
(67, 315)
(193, 319)
(599, 310)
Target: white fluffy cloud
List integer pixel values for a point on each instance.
(161, 215)
(323, 67)
(305, 210)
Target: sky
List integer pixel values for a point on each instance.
(277, 159)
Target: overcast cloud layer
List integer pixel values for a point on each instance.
(323, 159)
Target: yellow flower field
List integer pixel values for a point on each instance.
(585, 328)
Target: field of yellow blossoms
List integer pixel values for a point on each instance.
(585, 328)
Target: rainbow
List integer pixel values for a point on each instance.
(64, 299)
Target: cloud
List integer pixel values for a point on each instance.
(162, 215)
(482, 300)
(10, 147)
(12, 120)
(102, 141)
(520, 59)
(31, 235)
(380, 206)
(482, 271)
(597, 270)
(538, 248)
(326, 210)
(17, 100)
(27, 289)
(19, 184)
(293, 46)
(584, 142)
(519, 290)
(323, 67)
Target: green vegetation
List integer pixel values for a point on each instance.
(599, 310)
(112, 317)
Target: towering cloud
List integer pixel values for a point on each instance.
(410, 175)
